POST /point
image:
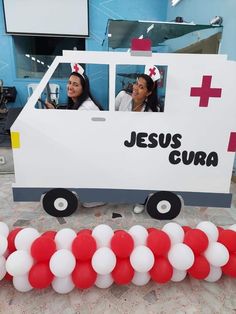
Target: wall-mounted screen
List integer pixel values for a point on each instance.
(47, 17)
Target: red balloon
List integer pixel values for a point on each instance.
(149, 230)
(8, 277)
(88, 231)
(50, 234)
(84, 246)
(200, 269)
(43, 248)
(123, 272)
(220, 229)
(228, 239)
(230, 268)
(83, 275)
(122, 244)
(197, 240)
(186, 228)
(158, 242)
(162, 270)
(40, 276)
(11, 239)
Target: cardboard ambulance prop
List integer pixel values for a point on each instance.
(183, 155)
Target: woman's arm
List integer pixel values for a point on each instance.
(49, 105)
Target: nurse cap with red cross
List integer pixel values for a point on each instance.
(153, 72)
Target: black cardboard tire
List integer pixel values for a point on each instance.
(60, 202)
(163, 205)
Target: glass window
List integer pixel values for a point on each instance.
(34, 54)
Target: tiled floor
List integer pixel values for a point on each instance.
(188, 296)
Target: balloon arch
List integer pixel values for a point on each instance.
(67, 260)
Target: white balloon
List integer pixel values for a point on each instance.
(141, 279)
(64, 238)
(103, 261)
(63, 284)
(4, 230)
(210, 230)
(174, 231)
(139, 235)
(3, 244)
(19, 263)
(233, 227)
(214, 274)
(142, 259)
(21, 283)
(104, 281)
(217, 254)
(181, 256)
(103, 234)
(62, 263)
(3, 270)
(25, 238)
(178, 275)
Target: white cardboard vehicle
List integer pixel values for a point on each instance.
(184, 154)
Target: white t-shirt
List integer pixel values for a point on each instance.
(88, 104)
(123, 102)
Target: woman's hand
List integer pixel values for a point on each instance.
(49, 105)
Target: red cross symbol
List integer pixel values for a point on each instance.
(76, 68)
(152, 72)
(205, 91)
(232, 142)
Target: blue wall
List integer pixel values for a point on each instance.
(202, 12)
(101, 11)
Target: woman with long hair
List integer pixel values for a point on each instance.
(79, 95)
(142, 98)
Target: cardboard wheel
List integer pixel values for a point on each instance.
(60, 202)
(163, 205)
